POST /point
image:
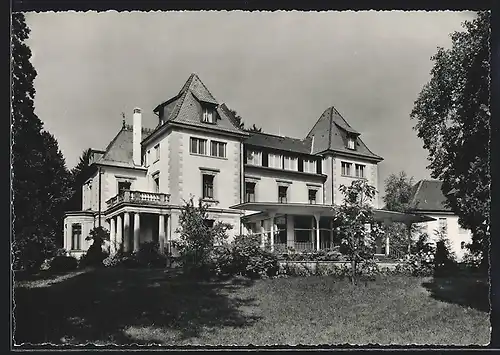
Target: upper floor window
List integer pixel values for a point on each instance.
(275, 161)
(290, 163)
(312, 196)
(309, 166)
(346, 168)
(360, 171)
(123, 185)
(218, 149)
(254, 157)
(157, 152)
(350, 143)
(250, 192)
(208, 115)
(282, 194)
(76, 236)
(156, 182)
(208, 186)
(198, 146)
(443, 226)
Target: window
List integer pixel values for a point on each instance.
(275, 161)
(198, 146)
(157, 152)
(208, 186)
(250, 192)
(443, 227)
(208, 115)
(123, 185)
(312, 196)
(350, 143)
(76, 236)
(309, 166)
(290, 163)
(360, 171)
(156, 182)
(218, 149)
(282, 194)
(346, 168)
(254, 157)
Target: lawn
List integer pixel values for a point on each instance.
(119, 306)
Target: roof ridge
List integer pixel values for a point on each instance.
(202, 83)
(112, 141)
(330, 129)
(317, 121)
(177, 109)
(278, 136)
(187, 84)
(413, 202)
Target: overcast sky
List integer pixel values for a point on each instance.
(279, 70)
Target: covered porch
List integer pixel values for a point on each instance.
(309, 227)
(137, 217)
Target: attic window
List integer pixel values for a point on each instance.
(208, 115)
(350, 143)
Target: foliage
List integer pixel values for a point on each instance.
(398, 192)
(95, 255)
(353, 216)
(453, 120)
(78, 176)
(239, 123)
(332, 254)
(197, 239)
(420, 264)
(41, 180)
(423, 245)
(149, 255)
(444, 259)
(254, 128)
(63, 263)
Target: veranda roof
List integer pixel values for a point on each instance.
(267, 208)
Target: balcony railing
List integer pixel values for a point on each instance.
(139, 197)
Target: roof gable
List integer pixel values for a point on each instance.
(331, 131)
(187, 107)
(279, 142)
(428, 196)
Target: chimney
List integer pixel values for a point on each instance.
(137, 136)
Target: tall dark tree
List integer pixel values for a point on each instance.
(453, 120)
(238, 119)
(78, 175)
(40, 178)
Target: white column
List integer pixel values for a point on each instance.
(119, 235)
(126, 232)
(112, 235)
(137, 229)
(262, 234)
(316, 217)
(161, 232)
(290, 232)
(272, 215)
(331, 233)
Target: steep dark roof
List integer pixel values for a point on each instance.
(186, 107)
(119, 151)
(427, 196)
(279, 142)
(330, 134)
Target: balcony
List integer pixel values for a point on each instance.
(139, 198)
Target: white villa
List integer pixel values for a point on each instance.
(279, 187)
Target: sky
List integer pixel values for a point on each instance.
(279, 70)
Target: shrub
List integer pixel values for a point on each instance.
(63, 263)
(444, 260)
(249, 259)
(421, 264)
(95, 254)
(369, 269)
(149, 256)
(222, 261)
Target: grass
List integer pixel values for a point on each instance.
(119, 306)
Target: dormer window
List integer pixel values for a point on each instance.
(350, 143)
(208, 115)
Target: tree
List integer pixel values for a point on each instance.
(353, 216)
(40, 179)
(198, 238)
(78, 176)
(398, 198)
(241, 124)
(452, 113)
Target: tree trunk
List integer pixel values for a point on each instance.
(353, 270)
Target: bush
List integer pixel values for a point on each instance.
(93, 257)
(63, 263)
(333, 254)
(222, 261)
(149, 256)
(444, 260)
(249, 259)
(421, 264)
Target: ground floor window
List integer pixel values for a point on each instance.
(76, 236)
(302, 228)
(280, 232)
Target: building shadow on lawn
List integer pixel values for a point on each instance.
(465, 290)
(99, 306)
